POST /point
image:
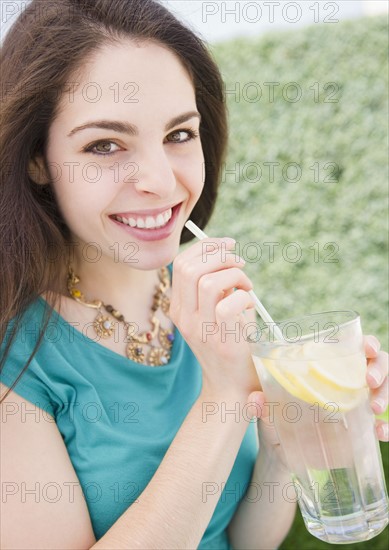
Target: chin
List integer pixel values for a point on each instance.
(160, 258)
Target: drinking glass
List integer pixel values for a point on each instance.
(314, 380)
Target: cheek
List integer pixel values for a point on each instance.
(191, 172)
(81, 190)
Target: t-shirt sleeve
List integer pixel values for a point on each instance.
(36, 383)
(31, 385)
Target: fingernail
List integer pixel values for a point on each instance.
(376, 375)
(384, 429)
(380, 404)
(375, 345)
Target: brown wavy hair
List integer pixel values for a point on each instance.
(45, 47)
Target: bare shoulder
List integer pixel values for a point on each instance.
(41, 494)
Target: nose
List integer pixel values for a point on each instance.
(154, 172)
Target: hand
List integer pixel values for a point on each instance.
(377, 380)
(208, 312)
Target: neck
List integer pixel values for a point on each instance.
(118, 284)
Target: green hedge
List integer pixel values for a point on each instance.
(343, 123)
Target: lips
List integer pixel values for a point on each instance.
(148, 225)
(145, 222)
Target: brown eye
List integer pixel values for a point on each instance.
(102, 148)
(182, 136)
(176, 136)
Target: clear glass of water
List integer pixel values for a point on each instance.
(315, 383)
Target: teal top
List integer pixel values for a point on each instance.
(117, 417)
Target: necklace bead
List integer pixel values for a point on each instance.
(104, 327)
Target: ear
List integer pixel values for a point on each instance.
(37, 171)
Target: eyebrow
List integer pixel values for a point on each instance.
(127, 128)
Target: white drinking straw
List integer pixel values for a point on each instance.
(262, 311)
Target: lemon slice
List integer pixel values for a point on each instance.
(280, 377)
(314, 390)
(345, 372)
(339, 380)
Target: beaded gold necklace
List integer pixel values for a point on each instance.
(104, 325)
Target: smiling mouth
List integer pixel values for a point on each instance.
(147, 222)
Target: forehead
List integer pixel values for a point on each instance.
(129, 77)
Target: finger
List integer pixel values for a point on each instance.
(189, 266)
(258, 410)
(382, 430)
(377, 370)
(230, 320)
(266, 426)
(228, 310)
(379, 398)
(255, 402)
(371, 345)
(213, 287)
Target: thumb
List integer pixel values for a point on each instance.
(256, 401)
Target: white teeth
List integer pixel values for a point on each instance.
(140, 223)
(149, 222)
(160, 220)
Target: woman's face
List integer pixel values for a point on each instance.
(125, 155)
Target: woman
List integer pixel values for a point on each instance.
(113, 134)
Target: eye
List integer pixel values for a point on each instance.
(178, 136)
(102, 148)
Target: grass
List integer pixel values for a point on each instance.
(332, 201)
